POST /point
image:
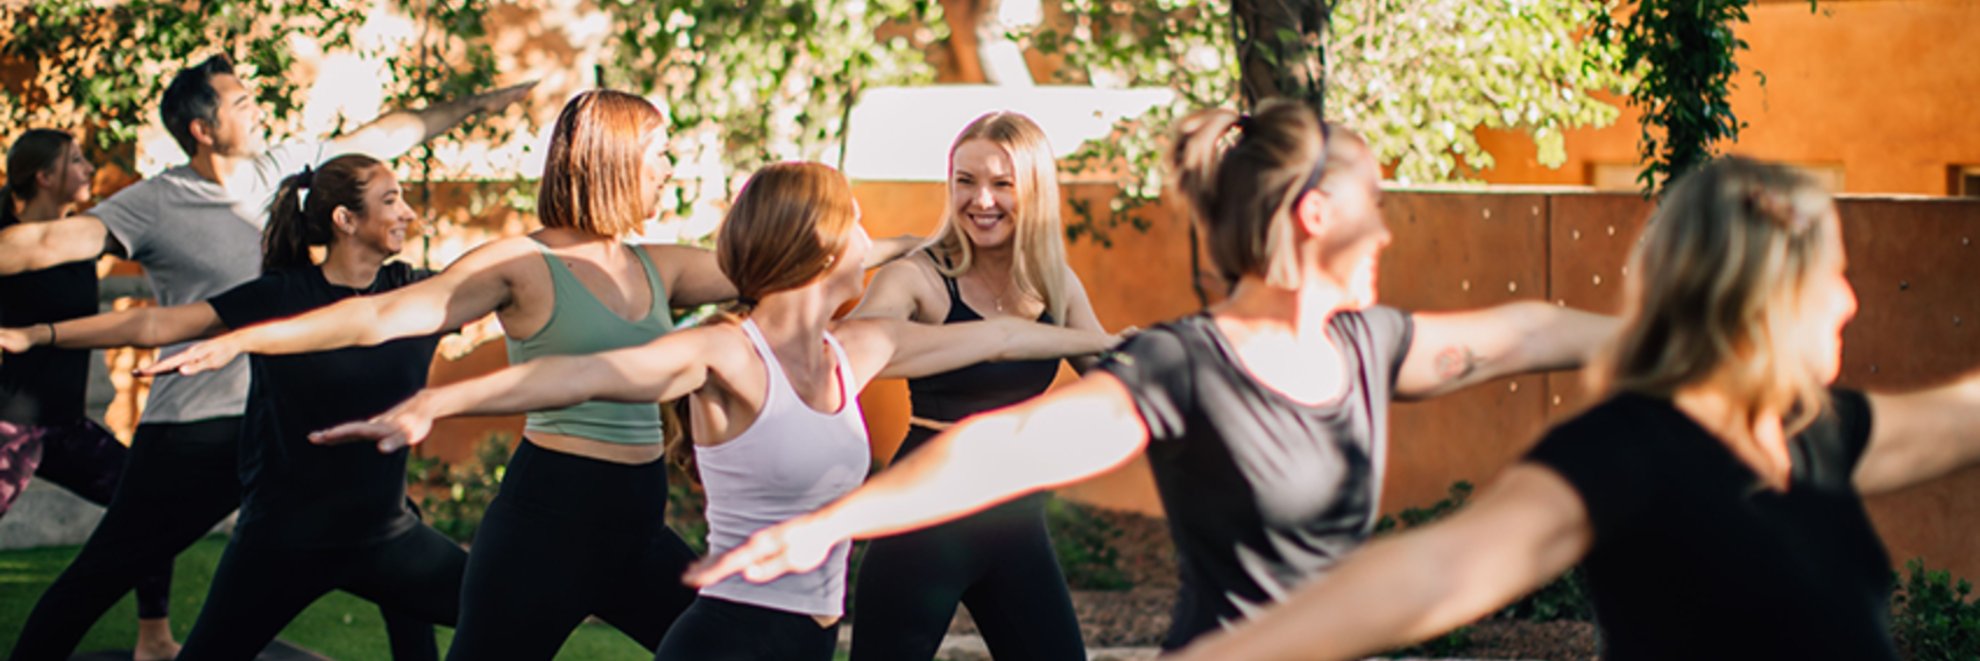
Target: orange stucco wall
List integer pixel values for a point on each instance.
(1883, 89)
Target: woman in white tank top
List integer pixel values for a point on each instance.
(772, 390)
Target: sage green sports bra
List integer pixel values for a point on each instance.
(581, 324)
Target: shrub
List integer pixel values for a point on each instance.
(1085, 545)
(1934, 616)
(454, 499)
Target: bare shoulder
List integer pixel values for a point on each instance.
(662, 253)
(916, 271)
(860, 334)
(725, 349)
(909, 288)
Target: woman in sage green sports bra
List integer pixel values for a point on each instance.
(548, 554)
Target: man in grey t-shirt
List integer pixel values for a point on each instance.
(196, 229)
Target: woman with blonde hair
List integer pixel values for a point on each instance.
(1000, 254)
(1715, 499)
(773, 390)
(1263, 418)
(577, 528)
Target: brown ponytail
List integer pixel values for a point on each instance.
(786, 228)
(296, 223)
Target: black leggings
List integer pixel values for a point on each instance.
(569, 537)
(86, 459)
(998, 562)
(415, 578)
(179, 481)
(722, 630)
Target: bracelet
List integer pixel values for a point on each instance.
(51, 333)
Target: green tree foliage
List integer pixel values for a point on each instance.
(1417, 77)
(99, 67)
(771, 80)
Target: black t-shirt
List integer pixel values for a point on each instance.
(1263, 493)
(46, 384)
(1694, 557)
(296, 494)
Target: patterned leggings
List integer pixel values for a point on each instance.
(84, 458)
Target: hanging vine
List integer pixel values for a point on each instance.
(1685, 54)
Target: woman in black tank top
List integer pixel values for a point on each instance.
(1000, 246)
(42, 427)
(1264, 420)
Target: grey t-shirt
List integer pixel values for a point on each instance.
(196, 239)
(1263, 492)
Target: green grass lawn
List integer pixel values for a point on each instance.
(339, 625)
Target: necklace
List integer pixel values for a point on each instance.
(1003, 292)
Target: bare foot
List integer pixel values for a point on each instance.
(155, 641)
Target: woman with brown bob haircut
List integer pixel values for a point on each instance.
(577, 527)
(773, 390)
(1263, 418)
(1715, 499)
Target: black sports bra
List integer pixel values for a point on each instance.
(956, 394)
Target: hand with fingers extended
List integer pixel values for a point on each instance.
(205, 356)
(791, 547)
(405, 425)
(495, 101)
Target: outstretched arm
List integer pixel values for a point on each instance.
(472, 287)
(1526, 529)
(137, 327)
(692, 276)
(1065, 436)
(1452, 350)
(891, 348)
(1919, 436)
(664, 369)
(397, 132)
(35, 246)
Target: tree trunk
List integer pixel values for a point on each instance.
(1281, 51)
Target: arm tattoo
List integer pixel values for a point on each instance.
(1456, 362)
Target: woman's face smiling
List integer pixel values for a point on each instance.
(983, 193)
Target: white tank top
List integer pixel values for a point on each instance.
(790, 461)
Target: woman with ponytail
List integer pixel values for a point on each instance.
(312, 519)
(577, 527)
(1263, 418)
(43, 430)
(772, 388)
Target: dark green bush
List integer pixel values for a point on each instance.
(1934, 616)
(454, 499)
(1085, 544)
